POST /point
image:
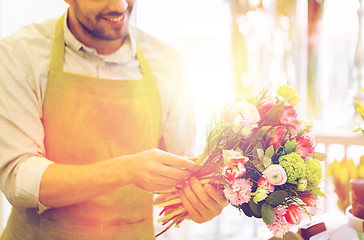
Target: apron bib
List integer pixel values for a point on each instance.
(87, 120)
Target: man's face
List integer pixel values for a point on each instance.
(103, 19)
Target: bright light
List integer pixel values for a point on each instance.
(200, 31)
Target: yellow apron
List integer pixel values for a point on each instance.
(88, 120)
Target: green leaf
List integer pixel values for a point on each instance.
(276, 198)
(254, 154)
(246, 209)
(256, 140)
(259, 166)
(256, 208)
(319, 156)
(274, 114)
(259, 145)
(269, 152)
(357, 130)
(261, 132)
(260, 152)
(290, 146)
(267, 161)
(267, 213)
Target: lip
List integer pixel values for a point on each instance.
(115, 21)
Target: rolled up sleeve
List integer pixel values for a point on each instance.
(22, 154)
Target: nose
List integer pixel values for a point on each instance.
(118, 5)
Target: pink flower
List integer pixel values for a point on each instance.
(275, 174)
(280, 226)
(289, 116)
(231, 173)
(294, 131)
(263, 182)
(239, 192)
(240, 115)
(305, 146)
(234, 165)
(276, 138)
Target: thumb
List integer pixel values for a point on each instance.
(193, 159)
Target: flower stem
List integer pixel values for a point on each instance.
(171, 215)
(170, 202)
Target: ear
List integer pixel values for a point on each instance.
(68, 1)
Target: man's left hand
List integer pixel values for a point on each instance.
(202, 202)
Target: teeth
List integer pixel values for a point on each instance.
(116, 19)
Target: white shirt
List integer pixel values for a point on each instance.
(24, 64)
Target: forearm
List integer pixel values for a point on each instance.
(63, 185)
(151, 170)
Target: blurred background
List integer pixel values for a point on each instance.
(237, 47)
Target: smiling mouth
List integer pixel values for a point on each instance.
(115, 19)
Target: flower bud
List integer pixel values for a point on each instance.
(293, 215)
(260, 194)
(309, 199)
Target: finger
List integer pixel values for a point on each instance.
(192, 212)
(160, 187)
(156, 183)
(210, 206)
(169, 172)
(194, 159)
(179, 162)
(200, 192)
(165, 181)
(215, 194)
(197, 195)
(178, 174)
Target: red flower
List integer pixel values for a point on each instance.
(276, 138)
(309, 199)
(293, 215)
(265, 105)
(263, 182)
(289, 116)
(237, 160)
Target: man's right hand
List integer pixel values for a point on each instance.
(152, 170)
(156, 170)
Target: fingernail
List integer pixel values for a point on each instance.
(193, 179)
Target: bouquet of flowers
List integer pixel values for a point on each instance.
(260, 155)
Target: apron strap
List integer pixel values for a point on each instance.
(143, 63)
(57, 56)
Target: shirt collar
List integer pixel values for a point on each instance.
(124, 54)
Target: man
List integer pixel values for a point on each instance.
(85, 103)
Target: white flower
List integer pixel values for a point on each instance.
(229, 155)
(241, 115)
(275, 174)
